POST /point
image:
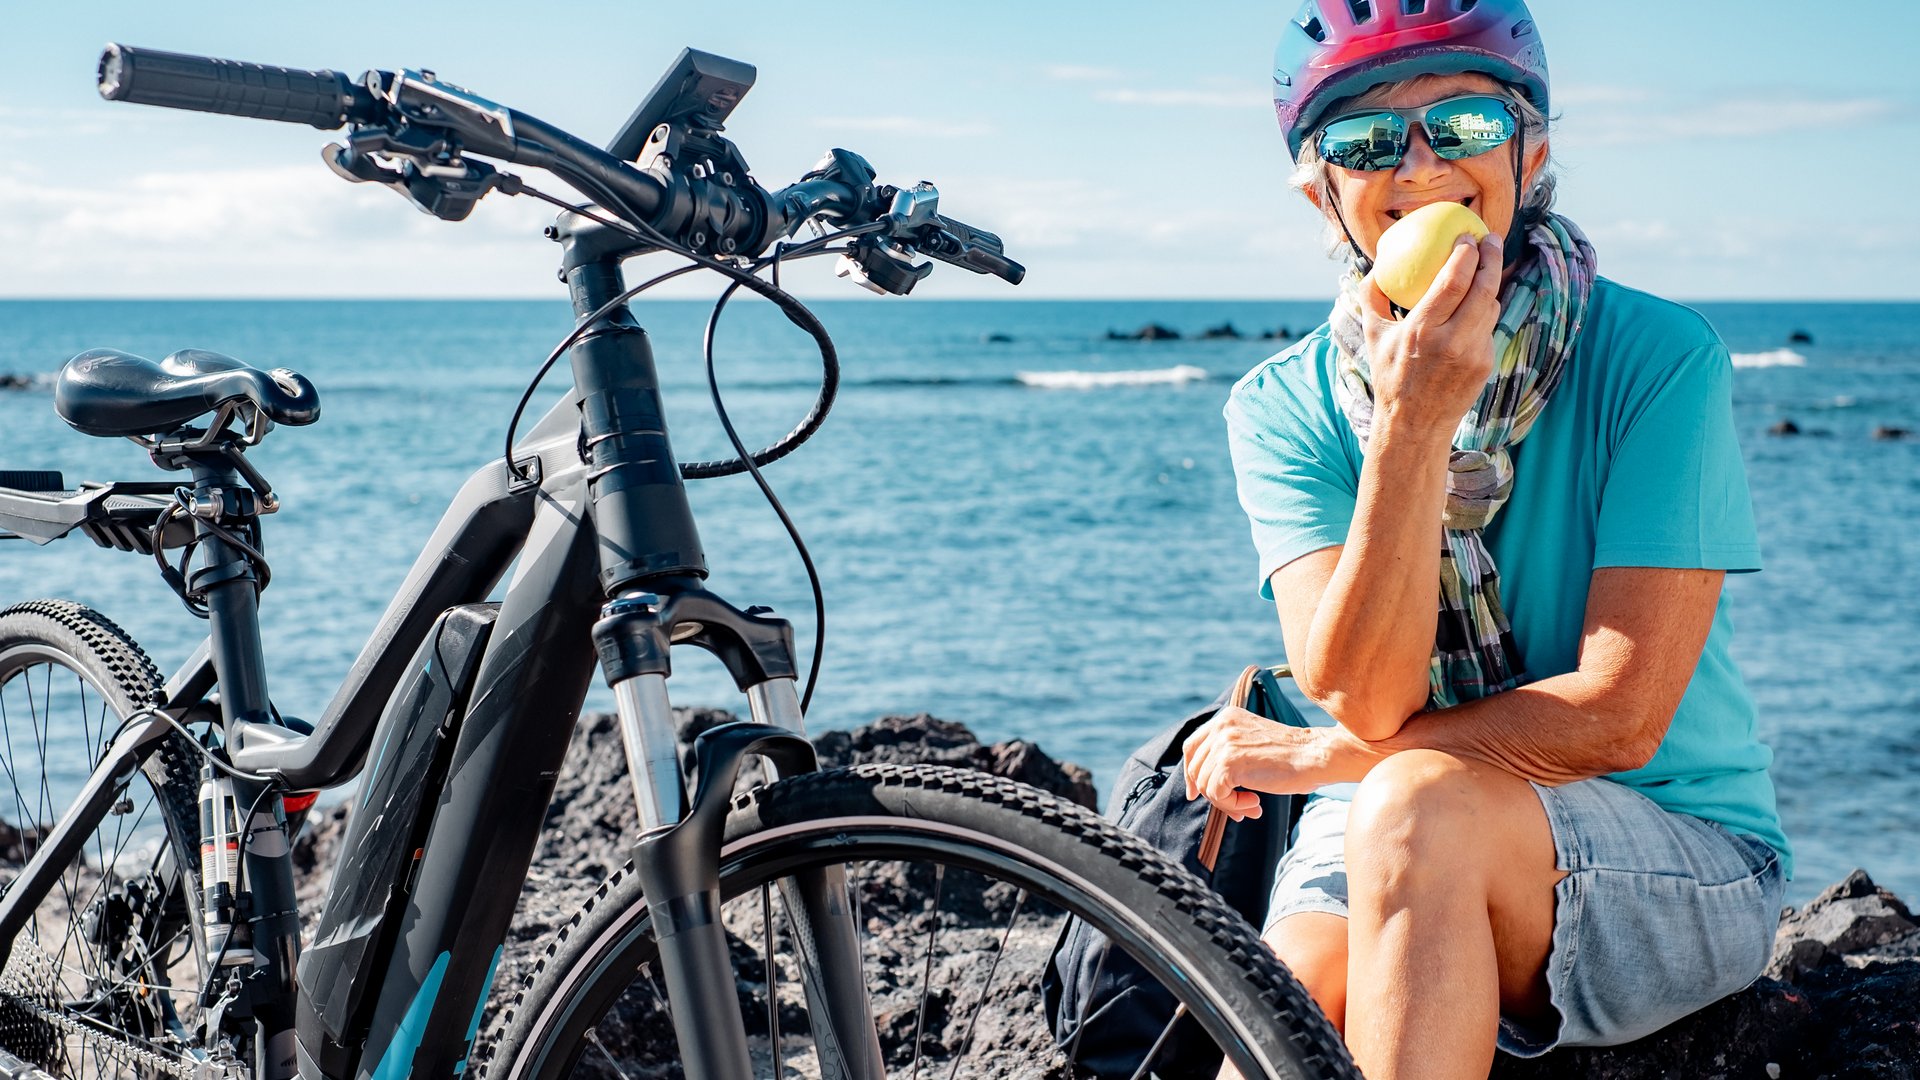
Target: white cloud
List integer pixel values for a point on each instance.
(1207, 99)
(907, 125)
(1630, 120)
(293, 230)
(1081, 73)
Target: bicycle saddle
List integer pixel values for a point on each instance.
(113, 393)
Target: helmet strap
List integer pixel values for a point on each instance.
(1516, 243)
(1360, 260)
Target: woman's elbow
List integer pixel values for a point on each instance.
(1640, 741)
(1367, 715)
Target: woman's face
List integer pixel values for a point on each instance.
(1371, 201)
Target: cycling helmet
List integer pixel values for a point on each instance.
(1334, 49)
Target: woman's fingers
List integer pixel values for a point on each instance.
(1373, 301)
(1455, 281)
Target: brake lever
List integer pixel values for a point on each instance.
(433, 175)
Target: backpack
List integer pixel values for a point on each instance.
(1099, 1000)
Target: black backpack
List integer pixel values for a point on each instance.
(1099, 1000)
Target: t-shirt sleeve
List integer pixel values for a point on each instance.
(1297, 489)
(1676, 490)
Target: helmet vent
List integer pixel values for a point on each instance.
(1467, 5)
(1362, 10)
(1315, 29)
(1414, 7)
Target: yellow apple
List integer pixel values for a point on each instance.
(1414, 249)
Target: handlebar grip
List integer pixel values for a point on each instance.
(324, 99)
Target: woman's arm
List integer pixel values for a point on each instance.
(1645, 628)
(1359, 620)
(1644, 631)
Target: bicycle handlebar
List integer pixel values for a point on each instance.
(427, 124)
(323, 99)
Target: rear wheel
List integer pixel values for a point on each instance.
(958, 883)
(102, 980)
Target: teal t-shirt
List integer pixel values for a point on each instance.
(1633, 462)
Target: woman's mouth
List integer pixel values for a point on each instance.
(1396, 215)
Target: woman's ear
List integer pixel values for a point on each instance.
(1536, 161)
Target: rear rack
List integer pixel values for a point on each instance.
(38, 506)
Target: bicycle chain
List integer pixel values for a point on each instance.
(17, 991)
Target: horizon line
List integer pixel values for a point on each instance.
(842, 298)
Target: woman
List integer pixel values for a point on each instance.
(1563, 832)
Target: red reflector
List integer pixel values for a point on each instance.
(294, 804)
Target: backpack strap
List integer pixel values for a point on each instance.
(1240, 696)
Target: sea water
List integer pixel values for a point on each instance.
(1019, 524)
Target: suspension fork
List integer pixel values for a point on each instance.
(678, 854)
(652, 566)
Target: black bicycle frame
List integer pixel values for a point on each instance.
(609, 566)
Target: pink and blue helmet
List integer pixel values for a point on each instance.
(1335, 49)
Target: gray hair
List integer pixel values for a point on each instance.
(1310, 171)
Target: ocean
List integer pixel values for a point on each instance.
(1020, 524)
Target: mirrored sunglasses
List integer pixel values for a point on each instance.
(1460, 127)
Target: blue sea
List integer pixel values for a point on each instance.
(1036, 536)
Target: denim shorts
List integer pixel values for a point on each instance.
(1660, 914)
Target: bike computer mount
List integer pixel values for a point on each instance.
(682, 116)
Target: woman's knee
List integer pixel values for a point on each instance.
(1313, 946)
(1424, 814)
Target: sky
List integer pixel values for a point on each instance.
(1712, 149)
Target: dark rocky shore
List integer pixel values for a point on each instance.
(1840, 999)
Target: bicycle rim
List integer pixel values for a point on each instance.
(102, 980)
(957, 921)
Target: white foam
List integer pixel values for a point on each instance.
(1773, 358)
(1094, 380)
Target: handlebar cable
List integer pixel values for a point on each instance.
(740, 447)
(546, 365)
(796, 312)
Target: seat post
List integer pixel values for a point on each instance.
(231, 587)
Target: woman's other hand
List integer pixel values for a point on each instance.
(1237, 755)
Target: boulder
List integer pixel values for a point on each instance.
(1840, 999)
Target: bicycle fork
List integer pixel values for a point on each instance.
(677, 856)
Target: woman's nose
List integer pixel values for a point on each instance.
(1420, 165)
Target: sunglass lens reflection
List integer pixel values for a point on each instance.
(1365, 142)
(1471, 126)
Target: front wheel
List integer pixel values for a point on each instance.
(958, 883)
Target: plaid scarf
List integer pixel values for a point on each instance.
(1474, 653)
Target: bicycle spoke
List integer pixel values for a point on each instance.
(1153, 1051)
(594, 1038)
(986, 988)
(1073, 1048)
(926, 975)
(773, 980)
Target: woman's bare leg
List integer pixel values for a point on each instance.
(1451, 869)
(1313, 945)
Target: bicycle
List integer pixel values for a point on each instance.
(150, 927)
